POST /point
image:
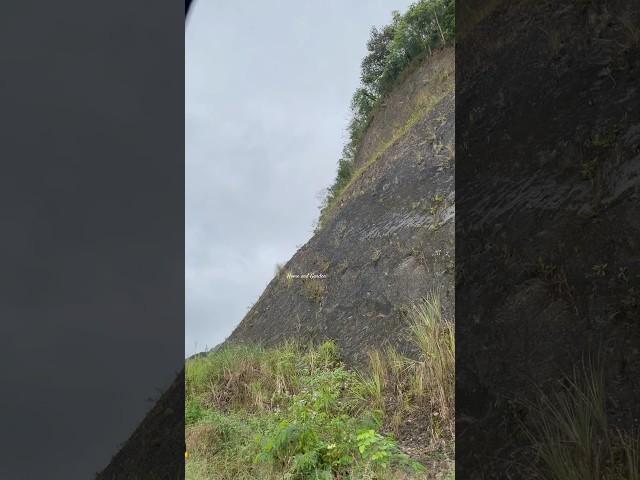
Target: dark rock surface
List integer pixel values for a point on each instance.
(548, 186)
(155, 451)
(388, 244)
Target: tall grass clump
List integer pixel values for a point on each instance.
(421, 387)
(571, 434)
(247, 377)
(435, 370)
(391, 49)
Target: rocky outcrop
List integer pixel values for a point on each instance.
(388, 242)
(548, 183)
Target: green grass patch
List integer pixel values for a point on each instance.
(295, 411)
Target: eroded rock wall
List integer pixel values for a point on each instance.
(389, 242)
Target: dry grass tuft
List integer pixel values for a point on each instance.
(571, 434)
(404, 387)
(435, 375)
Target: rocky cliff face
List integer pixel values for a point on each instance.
(388, 242)
(548, 225)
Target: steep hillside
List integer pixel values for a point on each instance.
(382, 257)
(388, 240)
(547, 185)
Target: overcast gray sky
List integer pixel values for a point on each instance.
(268, 86)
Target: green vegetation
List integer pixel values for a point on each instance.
(572, 436)
(295, 411)
(425, 25)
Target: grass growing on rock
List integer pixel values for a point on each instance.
(571, 435)
(296, 411)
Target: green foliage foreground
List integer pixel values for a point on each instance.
(296, 412)
(264, 413)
